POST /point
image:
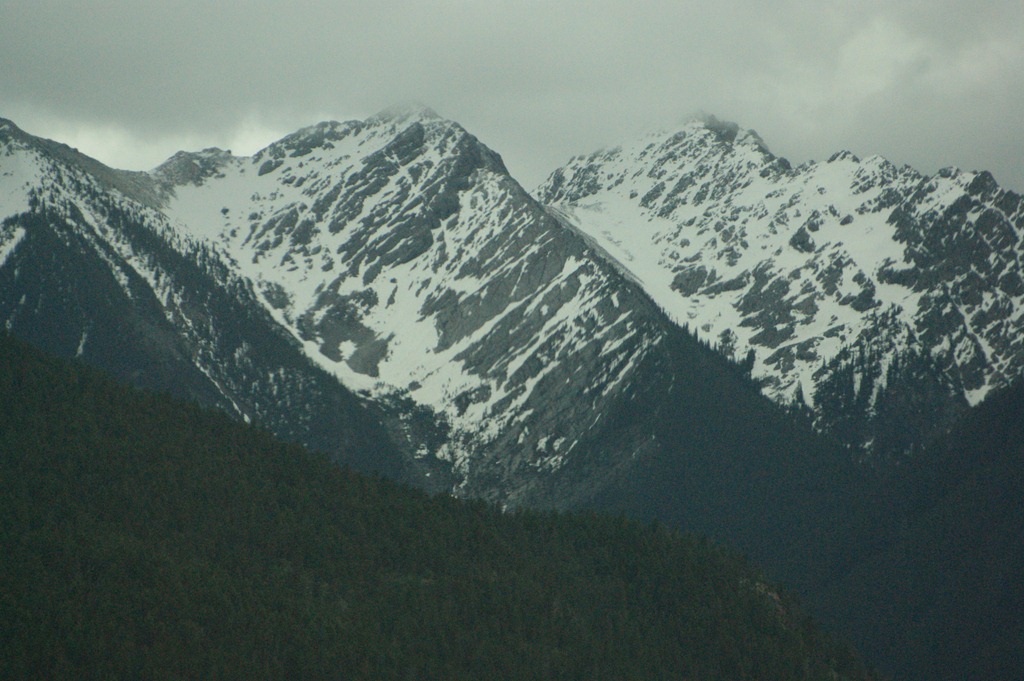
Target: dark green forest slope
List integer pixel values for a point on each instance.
(144, 538)
(951, 582)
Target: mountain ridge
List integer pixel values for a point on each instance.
(838, 305)
(812, 266)
(96, 274)
(386, 287)
(347, 265)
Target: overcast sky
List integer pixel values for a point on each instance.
(926, 82)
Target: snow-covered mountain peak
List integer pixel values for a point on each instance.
(406, 260)
(396, 252)
(13, 139)
(392, 133)
(705, 157)
(401, 256)
(730, 132)
(515, 350)
(799, 265)
(321, 135)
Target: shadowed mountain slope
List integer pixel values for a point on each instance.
(144, 538)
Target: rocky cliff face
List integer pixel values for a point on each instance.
(846, 284)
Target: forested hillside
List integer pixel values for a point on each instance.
(144, 538)
(950, 583)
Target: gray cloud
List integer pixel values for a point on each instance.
(930, 83)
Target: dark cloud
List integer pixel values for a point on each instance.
(930, 83)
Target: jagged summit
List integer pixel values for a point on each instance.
(844, 155)
(702, 151)
(804, 269)
(407, 261)
(729, 132)
(694, 135)
(417, 126)
(9, 131)
(192, 167)
(712, 122)
(808, 269)
(305, 140)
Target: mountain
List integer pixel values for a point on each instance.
(146, 538)
(385, 292)
(883, 300)
(949, 584)
(87, 270)
(409, 264)
(497, 354)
